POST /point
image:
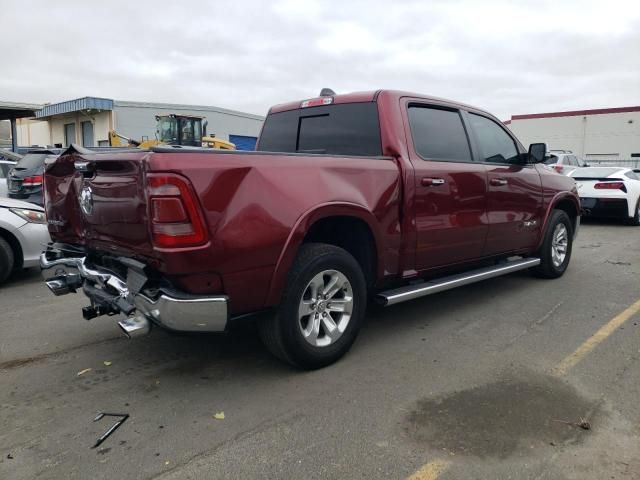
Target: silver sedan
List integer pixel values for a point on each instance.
(23, 235)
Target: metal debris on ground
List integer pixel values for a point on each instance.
(583, 423)
(107, 364)
(114, 427)
(82, 372)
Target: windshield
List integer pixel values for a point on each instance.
(190, 131)
(168, 129)
(31, 161)
(595, 172)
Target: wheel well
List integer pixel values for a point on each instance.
(570, 209)
(352, 234)
(15, 246)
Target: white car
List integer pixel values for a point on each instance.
(23, 235)
(5, 166)
(564, 161)
(609, 192)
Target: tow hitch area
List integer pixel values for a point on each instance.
(111, 294)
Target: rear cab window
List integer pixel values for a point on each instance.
(438, 134)
(350, 129)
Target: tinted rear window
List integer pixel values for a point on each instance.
(595, 172)
(32, 160)
(343, 129)
(438, 134)
(551, 159)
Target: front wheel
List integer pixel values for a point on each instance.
(321, 310)
(557, 244)
(7, 260)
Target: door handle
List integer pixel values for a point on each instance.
(498, 182)
(430, 182)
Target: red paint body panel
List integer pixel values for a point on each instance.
(510, 206)
(257, 207)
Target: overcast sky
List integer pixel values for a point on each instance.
(508, 57)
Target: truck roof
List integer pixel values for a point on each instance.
(371, 96)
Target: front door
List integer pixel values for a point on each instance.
(450, 188)
(514, 202)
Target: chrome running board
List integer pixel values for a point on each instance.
(410, 292)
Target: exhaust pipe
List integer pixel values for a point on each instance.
(135, 326)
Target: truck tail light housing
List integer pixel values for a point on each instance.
(611, 186)
(176, 219)
(32, 181)
(558, 168)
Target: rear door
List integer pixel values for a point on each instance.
(514, 201)
(450, 188)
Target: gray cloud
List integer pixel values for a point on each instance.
(507, 57)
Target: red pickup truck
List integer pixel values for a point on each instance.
(383, 196)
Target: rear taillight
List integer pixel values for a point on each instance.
(33, 181)
(558, 168)
(610, 186)
(176, 221)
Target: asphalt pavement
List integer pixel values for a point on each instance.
(513, 378)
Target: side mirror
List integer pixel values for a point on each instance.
(537, 152)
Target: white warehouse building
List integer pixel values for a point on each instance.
(88, 120)
(601, 134)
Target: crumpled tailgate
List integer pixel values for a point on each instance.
(98, 200)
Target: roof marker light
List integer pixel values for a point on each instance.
(316, 102)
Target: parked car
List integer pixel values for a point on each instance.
(23, 235)
(5, 166)
(564, 161)
(609, 192)
(25, 179)
(385, 195)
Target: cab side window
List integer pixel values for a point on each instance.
(438, 134)
(496, 146)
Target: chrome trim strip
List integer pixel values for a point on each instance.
(402, 294)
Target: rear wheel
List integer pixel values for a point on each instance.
(635, 220)
(555, 251)
(321, 310)
(7, 260)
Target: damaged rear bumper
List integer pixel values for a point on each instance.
(111, 294)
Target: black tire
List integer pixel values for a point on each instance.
(282, 333)
(635, 220)
(547, 267)
(7, 260)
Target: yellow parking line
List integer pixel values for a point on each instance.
(569, 362)
(431, 470)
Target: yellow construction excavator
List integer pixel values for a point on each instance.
(175, 129)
